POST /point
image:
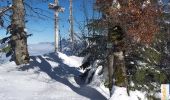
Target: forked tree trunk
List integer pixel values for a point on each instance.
(116, 60)
(120, 71)
(19, 37)
(117, 70)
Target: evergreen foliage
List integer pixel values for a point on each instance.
(146, 64)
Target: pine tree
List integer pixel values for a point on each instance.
(132, 20)
(18, 35)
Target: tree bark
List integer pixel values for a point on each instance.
(116, 60)
(71, 25)
(19, 36)
(110, 70)
(56, 26)
(120, 71)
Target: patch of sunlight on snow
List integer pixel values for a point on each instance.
(120, 93)
(72, 61)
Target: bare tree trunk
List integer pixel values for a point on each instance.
(110, 59)
(117, 70)
(71, 25)
(55, 6)
(56, 27)
(120, 69)
(110, 70)
(19, 37)
(116, 60)
(120, 73)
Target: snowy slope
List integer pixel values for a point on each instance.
(53, 76)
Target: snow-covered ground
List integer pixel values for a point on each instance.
(120, 93)
(52, 76)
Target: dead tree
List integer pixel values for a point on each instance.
(56, 9)
(71, 24)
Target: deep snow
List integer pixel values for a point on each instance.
(53, 76)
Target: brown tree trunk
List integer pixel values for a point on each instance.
(117, 70)
(19, 37)
(120, 71)
(116, 60)
(110, 60)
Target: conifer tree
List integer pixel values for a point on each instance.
(18, 35)
(128, 20)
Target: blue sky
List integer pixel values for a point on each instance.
(43, 29)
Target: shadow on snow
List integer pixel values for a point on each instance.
(61, 70)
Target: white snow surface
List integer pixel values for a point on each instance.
(53, 76)
(120, 93)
